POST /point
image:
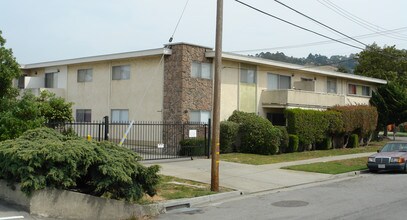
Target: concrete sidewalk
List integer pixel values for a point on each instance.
(249, 178)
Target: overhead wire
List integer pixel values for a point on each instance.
(318, 42)
(298, 26)
(355, 19)
(179, 20)
(320, 23)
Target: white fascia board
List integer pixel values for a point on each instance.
(116, 56)
(261, 61)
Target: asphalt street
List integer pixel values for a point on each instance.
(368, 196)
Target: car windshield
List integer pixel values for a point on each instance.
(391, 147)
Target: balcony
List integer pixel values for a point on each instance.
(300, 98)
(36, 85)
(37, 91)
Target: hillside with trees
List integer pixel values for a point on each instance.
(344, 64)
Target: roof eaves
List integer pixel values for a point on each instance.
(116, 56)
(256, 60)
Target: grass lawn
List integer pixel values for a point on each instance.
(333, 167)
(256, 159)
(176, 188)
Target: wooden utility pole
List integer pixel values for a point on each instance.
(216, 98)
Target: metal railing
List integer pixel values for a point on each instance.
(151, 140)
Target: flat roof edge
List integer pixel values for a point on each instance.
(115, 56)
(256, 60)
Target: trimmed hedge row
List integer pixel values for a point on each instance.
(317, 128)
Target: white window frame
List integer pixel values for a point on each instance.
(123, 115)
(81, 115)
(121, 72)
(248, 74)
(362, 86)
(85, 75)
(279, 86)
(198, 70)
(334, 81)
(199, 116)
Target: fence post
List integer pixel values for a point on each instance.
(209, 138)
(106, 128)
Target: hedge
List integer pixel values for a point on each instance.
(354, 141)
(228, 136)
(257, 135)
(293, 143)
(284, 139)
(192, 147)
(45, 158)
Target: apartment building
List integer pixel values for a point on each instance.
(175, 83)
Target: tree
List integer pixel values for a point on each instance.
(19, 114)
(390, 64)
(9, 70)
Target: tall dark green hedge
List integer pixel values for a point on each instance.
(293, 143)
(228, 136)
(45, 158)
(312, 126)
(257, 135)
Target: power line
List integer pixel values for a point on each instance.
(322, 42)
(363, 23)
(179, 20)
(320, 23)
(295, 25)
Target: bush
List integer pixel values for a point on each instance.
(257, 135)
(228, 136)
(293, 143)
(326, 144)
(284, 139)
(353, 141)
(45, 158)
(192, 147)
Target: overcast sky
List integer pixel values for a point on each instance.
(47, 30)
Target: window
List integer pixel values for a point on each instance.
(331, 85)
(359, 90)
(201, 70)
(121, 72)
(120, 115)
(199, 116)
(247, 74)
(85, 75)
(51, 80)
(83, 115)
(275, 81)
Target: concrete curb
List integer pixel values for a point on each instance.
(189, 202)
(53, 203)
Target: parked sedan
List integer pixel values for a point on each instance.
(392, 156)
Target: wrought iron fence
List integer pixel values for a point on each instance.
(151, 140)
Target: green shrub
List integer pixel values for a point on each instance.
(293, 143)
(45, 158)
(192, 147)
(325, 144)
(353, 141)
(284, 139)
(257, 135)
(228, 136)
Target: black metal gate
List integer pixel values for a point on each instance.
(151, 140)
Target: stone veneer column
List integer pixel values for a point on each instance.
(182, 93)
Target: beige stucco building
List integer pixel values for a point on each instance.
(175, 83)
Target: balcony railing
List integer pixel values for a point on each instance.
(300, 98)
(37, 91)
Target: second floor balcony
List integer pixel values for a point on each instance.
(300, 98)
